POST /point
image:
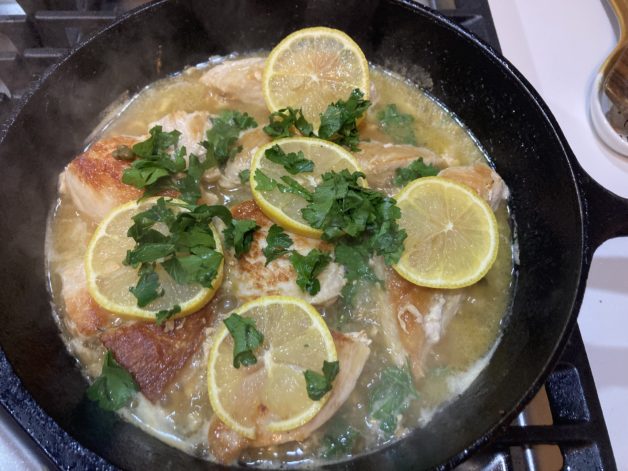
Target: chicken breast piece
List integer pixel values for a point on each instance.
(353, 351)
(251, 277)
(94, 179)
(239, 80)
(482, 179)
(192, 127)
(250, 141)
(379, 161)
(155, 355)
(82, 314)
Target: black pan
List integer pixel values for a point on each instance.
(559, 213)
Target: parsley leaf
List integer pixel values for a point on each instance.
(417, 169)
(147, 288)
(114, 388)
(339, 120)
(320, 384)
(293, 162)
(239, 235)
(308, 267)
(246, 338)
(391, 396)
(123, 152)
(187, 253)
(165, 314)
(339, 440)
(355, 259)
(244, 176)
(289, 185)
(277, 243)
(221, 139)
(397, 125)
(280, 123)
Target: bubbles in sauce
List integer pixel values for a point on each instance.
(181, 417)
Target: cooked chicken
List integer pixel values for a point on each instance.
(192, 127)
(481, 178)
(379, 161)
(353, 351)
(239, 80)
(422, 315)
(250, 141)
(252, 278)
(83, 315)
(93, 179)
(154, 355)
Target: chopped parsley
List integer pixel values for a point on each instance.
(338, 122)
(355, 259)
(246, 338)
(320, 384)
(293, 162)
(220, 141)
(341, 207)
(277, 243)
(308, 267)
(114, 388)
(188, 253)
(165, 314)
(391, 396)
(280, 123)
(417, 169)
(239, 235)
(244, 176)
(289, 185)
(397, 125)
(160, 164)
(339, 440)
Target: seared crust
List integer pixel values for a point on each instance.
(154, 355)
(94, 178)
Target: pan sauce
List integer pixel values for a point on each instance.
(182, 415)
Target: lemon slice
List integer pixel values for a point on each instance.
(452, 234)
(285, 208)
(109, 280)
(270, 396)
(311, 68)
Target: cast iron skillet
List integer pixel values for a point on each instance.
(560, 214)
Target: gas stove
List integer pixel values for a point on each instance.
(562, 427)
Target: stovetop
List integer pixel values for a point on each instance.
(562, 427)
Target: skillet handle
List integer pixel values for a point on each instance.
(606, 214)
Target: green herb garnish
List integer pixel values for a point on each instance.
(123, 153)
(320, 384)
(239, 235)
(355, 259)
(114, 388)
(277, 243)
(221, 139)
(417, 169)
(397, 125)
(293, 162)
(280, 123)
(391, 396)
(341, 207)
(246, 338)
(188, 253)
(339, 441)
(289, 185)
(165, 314)
(339, 121)
(308, 267)
(244, 176)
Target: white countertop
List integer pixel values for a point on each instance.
(559, 45)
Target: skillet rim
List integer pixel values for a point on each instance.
(68, 447)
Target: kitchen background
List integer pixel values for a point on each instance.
(558, 45)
